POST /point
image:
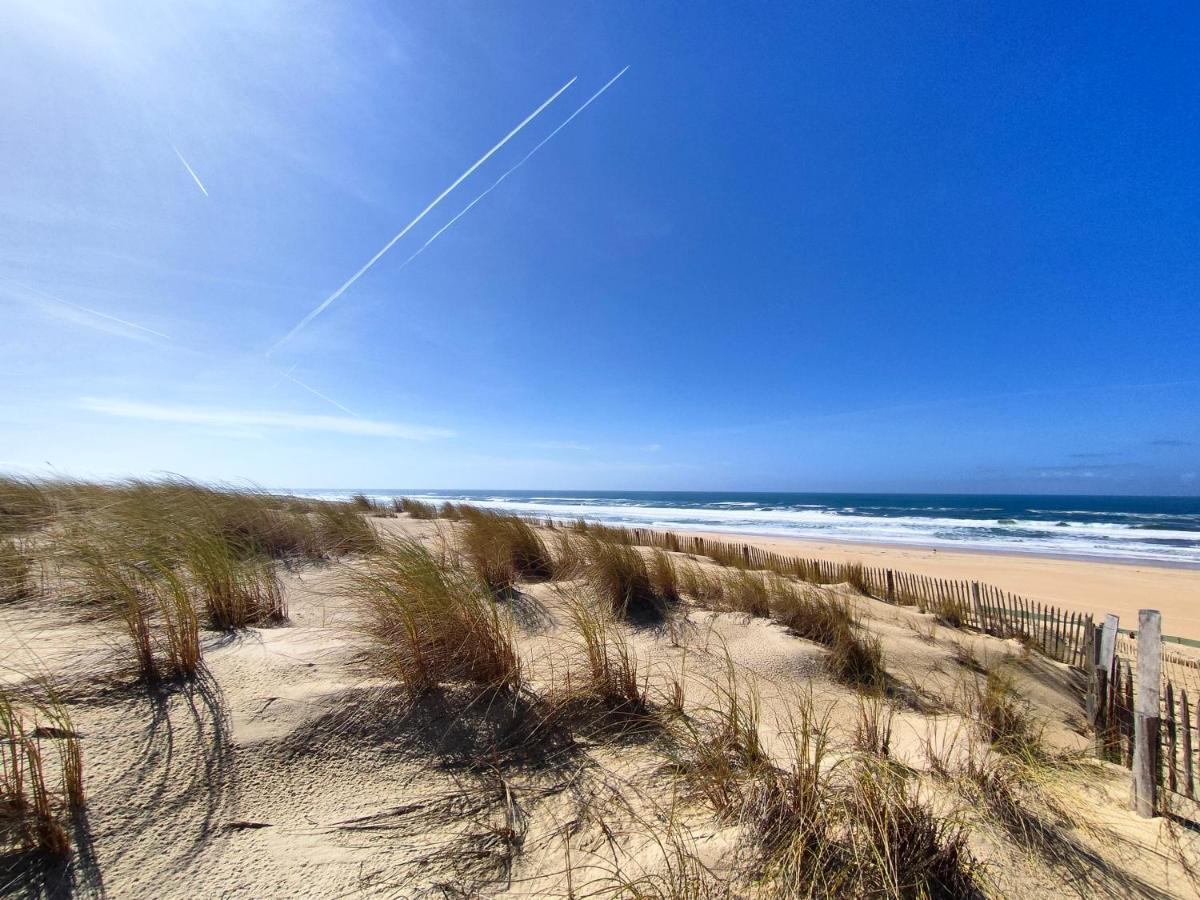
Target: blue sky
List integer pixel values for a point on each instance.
(939, 247)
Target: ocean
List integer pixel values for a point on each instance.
(1128, 529)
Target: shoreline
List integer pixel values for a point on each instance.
(747, 537)
(1080, 585)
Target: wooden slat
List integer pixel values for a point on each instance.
(1185, 728)
(1147, 714)
(1171, 740)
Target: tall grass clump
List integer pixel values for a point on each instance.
(342, 528)
(426, 624)
(1002, 719)
(16, 572)
(612, 666)
(720, 748)
(789, 812)
(664, 577)
(417, 509)
(746, 592)
(569, 560)
(854, 658)
(706, 587)
(235, 591)
(898, 847)
(503, 549)
(25, 504)
(34, 809)
(621, 579)
(155, 605)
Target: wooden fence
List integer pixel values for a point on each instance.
(1061, 635)
(1148, 707)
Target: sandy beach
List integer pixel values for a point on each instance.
(1087, 586)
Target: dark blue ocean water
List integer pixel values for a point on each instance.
(1158, 529)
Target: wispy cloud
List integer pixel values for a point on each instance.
(81, 315)
(1106, 470)
(1169, 442)
(324, 304)
(237, 419)
(466, 209)
(191, 171)
(559, 445)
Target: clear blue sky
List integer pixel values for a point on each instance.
(947, 247)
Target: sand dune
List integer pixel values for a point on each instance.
(290, 767)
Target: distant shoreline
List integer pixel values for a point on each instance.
(756, 539)
(1132, 531)
(1087, 585)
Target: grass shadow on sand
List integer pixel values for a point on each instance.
(183, 777)
(459, 728)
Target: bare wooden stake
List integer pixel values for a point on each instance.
(1172, 741)
(1185, 726)
(1147, 723)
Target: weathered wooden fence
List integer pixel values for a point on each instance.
(1144, 715)
(1062, 635)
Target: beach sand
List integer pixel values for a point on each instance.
(1078, 585)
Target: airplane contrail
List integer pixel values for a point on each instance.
(315, 392)
(522, 161)
(89, 311)
(191, 171)
(324, 304)
(279, 380)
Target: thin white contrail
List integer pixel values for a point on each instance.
(191, 171)
(283, 375)
(321, 307)
(315, 392)
(89, 311)
(522, 161)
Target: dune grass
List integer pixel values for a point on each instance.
(425, 624)
(16, 571)
(611, 674)
(503, 549)
(718, 747)
(235, 591)
(745, 592)
(35, 811)
(568, 558)
(25, 504)
(899, 848)
(155, 605)
(620, 577)
(1001, 718)
(664, 576)
(417, 509)
(854, 657)
(341, 529)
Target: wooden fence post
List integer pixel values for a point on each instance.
(1102, 686)
(1172, 742)
(978, 606)
(1146, 720)
(1185, 722)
